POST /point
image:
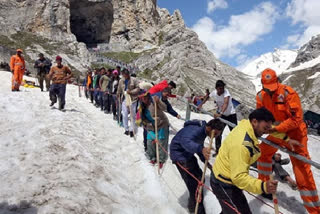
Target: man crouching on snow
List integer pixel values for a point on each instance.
(187, 142)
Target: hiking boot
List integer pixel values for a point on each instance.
(267, 196)
(126, 132)
(131, 134)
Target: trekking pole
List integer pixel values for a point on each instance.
(128, 97)
(204, 174)
(119, 110)
(78, 80)
(275, 199)
(156, 130)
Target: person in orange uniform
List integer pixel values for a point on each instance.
(17, 67)
(285, 105)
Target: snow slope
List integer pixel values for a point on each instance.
(305, 65)
(79, 161)
(279, 61)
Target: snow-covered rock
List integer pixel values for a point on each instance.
(279, 60)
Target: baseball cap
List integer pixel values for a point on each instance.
(58, 58)
(19, 50)
(115, 72)
(269, 79)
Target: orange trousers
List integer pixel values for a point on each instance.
(302, 172)
(17, 79)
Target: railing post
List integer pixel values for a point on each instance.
(188, 112)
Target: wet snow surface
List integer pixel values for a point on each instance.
(79, 161)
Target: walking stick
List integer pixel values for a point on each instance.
(275, 199)
(119, 110)
(204, 173)
(129, 101)
(156, 130)
(79, 89)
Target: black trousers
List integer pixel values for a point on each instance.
(114, 104)
(191, 183)
(228, 194)
(231, 118)
(145, 134)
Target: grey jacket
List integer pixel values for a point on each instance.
(133, 86)
(161, 116)
(45, 69)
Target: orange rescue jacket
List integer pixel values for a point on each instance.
(17, 64)
(286, 108)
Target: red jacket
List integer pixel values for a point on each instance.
(160, 87)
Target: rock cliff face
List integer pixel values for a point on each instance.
(167, 49)
(184, 58)
(307, 83)
(307, 52)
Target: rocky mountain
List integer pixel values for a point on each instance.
(307, 83)
(308, 52)
(279, 60)
(162, 46)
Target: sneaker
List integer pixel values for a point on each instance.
(153, 162)
(115, 118)
(52, 103)
(160, 165)
(131, 134)
(267, 196)
(126, 132)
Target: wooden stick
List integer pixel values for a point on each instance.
(204, 173)
(131, 115)
(156, 130)
(275, 199)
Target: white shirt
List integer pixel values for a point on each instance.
(220, 101)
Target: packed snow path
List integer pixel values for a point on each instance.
(79, 161)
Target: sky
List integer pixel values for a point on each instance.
(239, 31)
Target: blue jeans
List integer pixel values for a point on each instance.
(96, 95)
(58, 91)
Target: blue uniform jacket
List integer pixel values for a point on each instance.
(188, 141)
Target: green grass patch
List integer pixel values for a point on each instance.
(100, 65)
(161, 39)
(146, 74)
(125, 57)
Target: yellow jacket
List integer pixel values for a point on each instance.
(238, 151)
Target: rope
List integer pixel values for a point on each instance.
(200, 184)
(268, 142)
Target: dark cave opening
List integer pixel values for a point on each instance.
(91, 22)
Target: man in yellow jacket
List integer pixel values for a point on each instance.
(231, 168)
